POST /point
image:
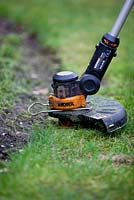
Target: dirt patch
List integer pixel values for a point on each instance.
(37, 65)
(123, 159)
(118, 159)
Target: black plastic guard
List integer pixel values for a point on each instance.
(105, 112)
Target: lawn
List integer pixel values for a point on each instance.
(73, 163)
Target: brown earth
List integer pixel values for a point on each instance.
(37, 65)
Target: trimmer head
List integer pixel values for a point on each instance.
(71, 106)
(102, 112)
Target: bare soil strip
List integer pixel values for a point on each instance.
(37, 65)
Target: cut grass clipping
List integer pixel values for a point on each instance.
(74, 163)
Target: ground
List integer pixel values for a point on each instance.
(35, 66)
(74, 163)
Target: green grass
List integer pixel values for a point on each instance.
(66, 163)
(60, 164)
(10, 56)
(8, 61)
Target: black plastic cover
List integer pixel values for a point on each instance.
(65, 76)
(103, 112)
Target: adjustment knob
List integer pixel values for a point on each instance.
(89, 84)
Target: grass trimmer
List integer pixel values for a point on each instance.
(70, 102)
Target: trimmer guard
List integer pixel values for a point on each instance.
(103, 112)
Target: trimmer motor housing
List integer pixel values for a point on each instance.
(67, 94)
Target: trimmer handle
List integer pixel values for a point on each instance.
(105, 51)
